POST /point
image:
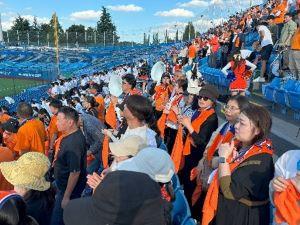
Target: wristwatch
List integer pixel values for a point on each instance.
(222, 160)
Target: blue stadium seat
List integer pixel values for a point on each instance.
(175, 183)
(189, 221)
(280, 94)
(181, 211)
(268, 89)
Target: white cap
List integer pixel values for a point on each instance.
(127, 146)
(155, 162)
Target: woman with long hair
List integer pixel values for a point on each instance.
(91, 106)
(239, 75)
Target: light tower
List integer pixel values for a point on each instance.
(1, 33)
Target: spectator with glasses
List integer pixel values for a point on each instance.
(224, 134)
(199, 129)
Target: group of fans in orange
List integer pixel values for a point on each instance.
(108, 151)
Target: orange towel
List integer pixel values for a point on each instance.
(287, 206)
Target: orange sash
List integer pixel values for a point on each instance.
(57, 147)
(161, 123)
(110, 116)
(219, 139)
(287, 206)
(196, 124)
(105, 151)
(179, 150)
(211, 200)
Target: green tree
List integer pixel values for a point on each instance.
(19, 30)
(106, 30)
(177, 36)
(35, 29)
(76, 34)
(189, 32)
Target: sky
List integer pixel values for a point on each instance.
(131, 17)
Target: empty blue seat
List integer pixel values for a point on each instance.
(175, 183)
(280, 94)
(268, 89)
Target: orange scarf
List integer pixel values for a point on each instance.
(110, 116)
(211, 200)
(57, 147)
(196, 124)
(161, 123)
(287, 206)
(179, 150)
(221, 138)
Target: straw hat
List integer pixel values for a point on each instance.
(28, 171)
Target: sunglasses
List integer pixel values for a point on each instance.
(203, 97)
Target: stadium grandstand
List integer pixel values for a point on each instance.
(194, 122)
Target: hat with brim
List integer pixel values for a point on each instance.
(210, 92)
(128, 146)
(123, 197)
(152, 161)
(28, 171)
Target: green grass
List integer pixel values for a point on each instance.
(9, 86)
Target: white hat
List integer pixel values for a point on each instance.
(193, 90)
(128, 146)
(155, 162)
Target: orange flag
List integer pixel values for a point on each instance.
(110, 116)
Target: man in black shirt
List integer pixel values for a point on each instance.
(69, 163)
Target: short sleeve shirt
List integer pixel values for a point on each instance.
(71, 158)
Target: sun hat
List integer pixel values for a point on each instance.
(28, 171)
(155, 162)
(210, 92)
(128, 146)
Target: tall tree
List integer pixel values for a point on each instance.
(76, 34)
(177, 36)
(19, 30)
(106, 30)
(189, 32)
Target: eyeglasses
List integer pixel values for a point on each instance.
(203, 97)
(230, 108)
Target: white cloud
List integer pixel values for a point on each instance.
(2, 3)
(175, 13)
(125, 8)
(39, 19)
(217, 2)
(7, 24)
(88, 15)
(28, 8)
(195, 3)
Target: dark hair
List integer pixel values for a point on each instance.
(91, 100)
(55, 103)
(69, 113)
(13, 212)
(130, 79)
(261, 119)
(242, 101)
(24, 110)
(4, 108)
(142, 109)
(182, 83)
(47, 198)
